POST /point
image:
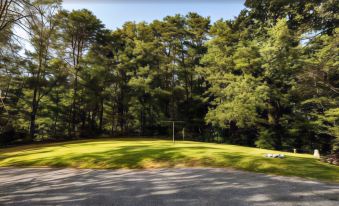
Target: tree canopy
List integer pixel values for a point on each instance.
(267, 78)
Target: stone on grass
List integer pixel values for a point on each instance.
(316, 153)
(274, 155)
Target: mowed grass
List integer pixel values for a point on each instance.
(154, 153)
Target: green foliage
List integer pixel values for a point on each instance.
(265, 139)
(240, 101)
(268, 78)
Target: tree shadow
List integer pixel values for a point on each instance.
(148, 156)
(158, 187)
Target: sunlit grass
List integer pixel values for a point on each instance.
(154, 153)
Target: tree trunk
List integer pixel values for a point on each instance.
(56, 115)
(35, 101)
(74, 113)
(101, 115)
(33, 115)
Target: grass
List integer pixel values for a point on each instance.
(153, 153)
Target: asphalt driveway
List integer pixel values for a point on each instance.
(177, 187)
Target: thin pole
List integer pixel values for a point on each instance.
(173, 132)
(183, 134)
(173, 128)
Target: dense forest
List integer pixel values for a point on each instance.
(267, 78)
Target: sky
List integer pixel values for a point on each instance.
(114, 13)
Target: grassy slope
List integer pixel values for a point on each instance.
(151, 153)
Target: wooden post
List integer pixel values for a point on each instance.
(183, 134)
(173, 132)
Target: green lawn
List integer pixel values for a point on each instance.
(153, 153)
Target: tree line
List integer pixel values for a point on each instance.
(267, 78)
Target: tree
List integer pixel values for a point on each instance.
(14, 13)
(79, 29)
(318, 89)
(234, 72)
(281, 63)
(42, 26)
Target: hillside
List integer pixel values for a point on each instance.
(153, 153)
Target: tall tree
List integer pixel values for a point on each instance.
(42, 26)
(281, 63)
(79, 29)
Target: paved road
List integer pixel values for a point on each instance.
(177, 187)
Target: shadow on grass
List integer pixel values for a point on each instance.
(289, 166)
(147, 156)
(67, 143)
(122, 157)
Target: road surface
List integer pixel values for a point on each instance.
(177, 187)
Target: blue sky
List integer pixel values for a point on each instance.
(113, 13)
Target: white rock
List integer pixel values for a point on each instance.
(274, 155)
(316, 153)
